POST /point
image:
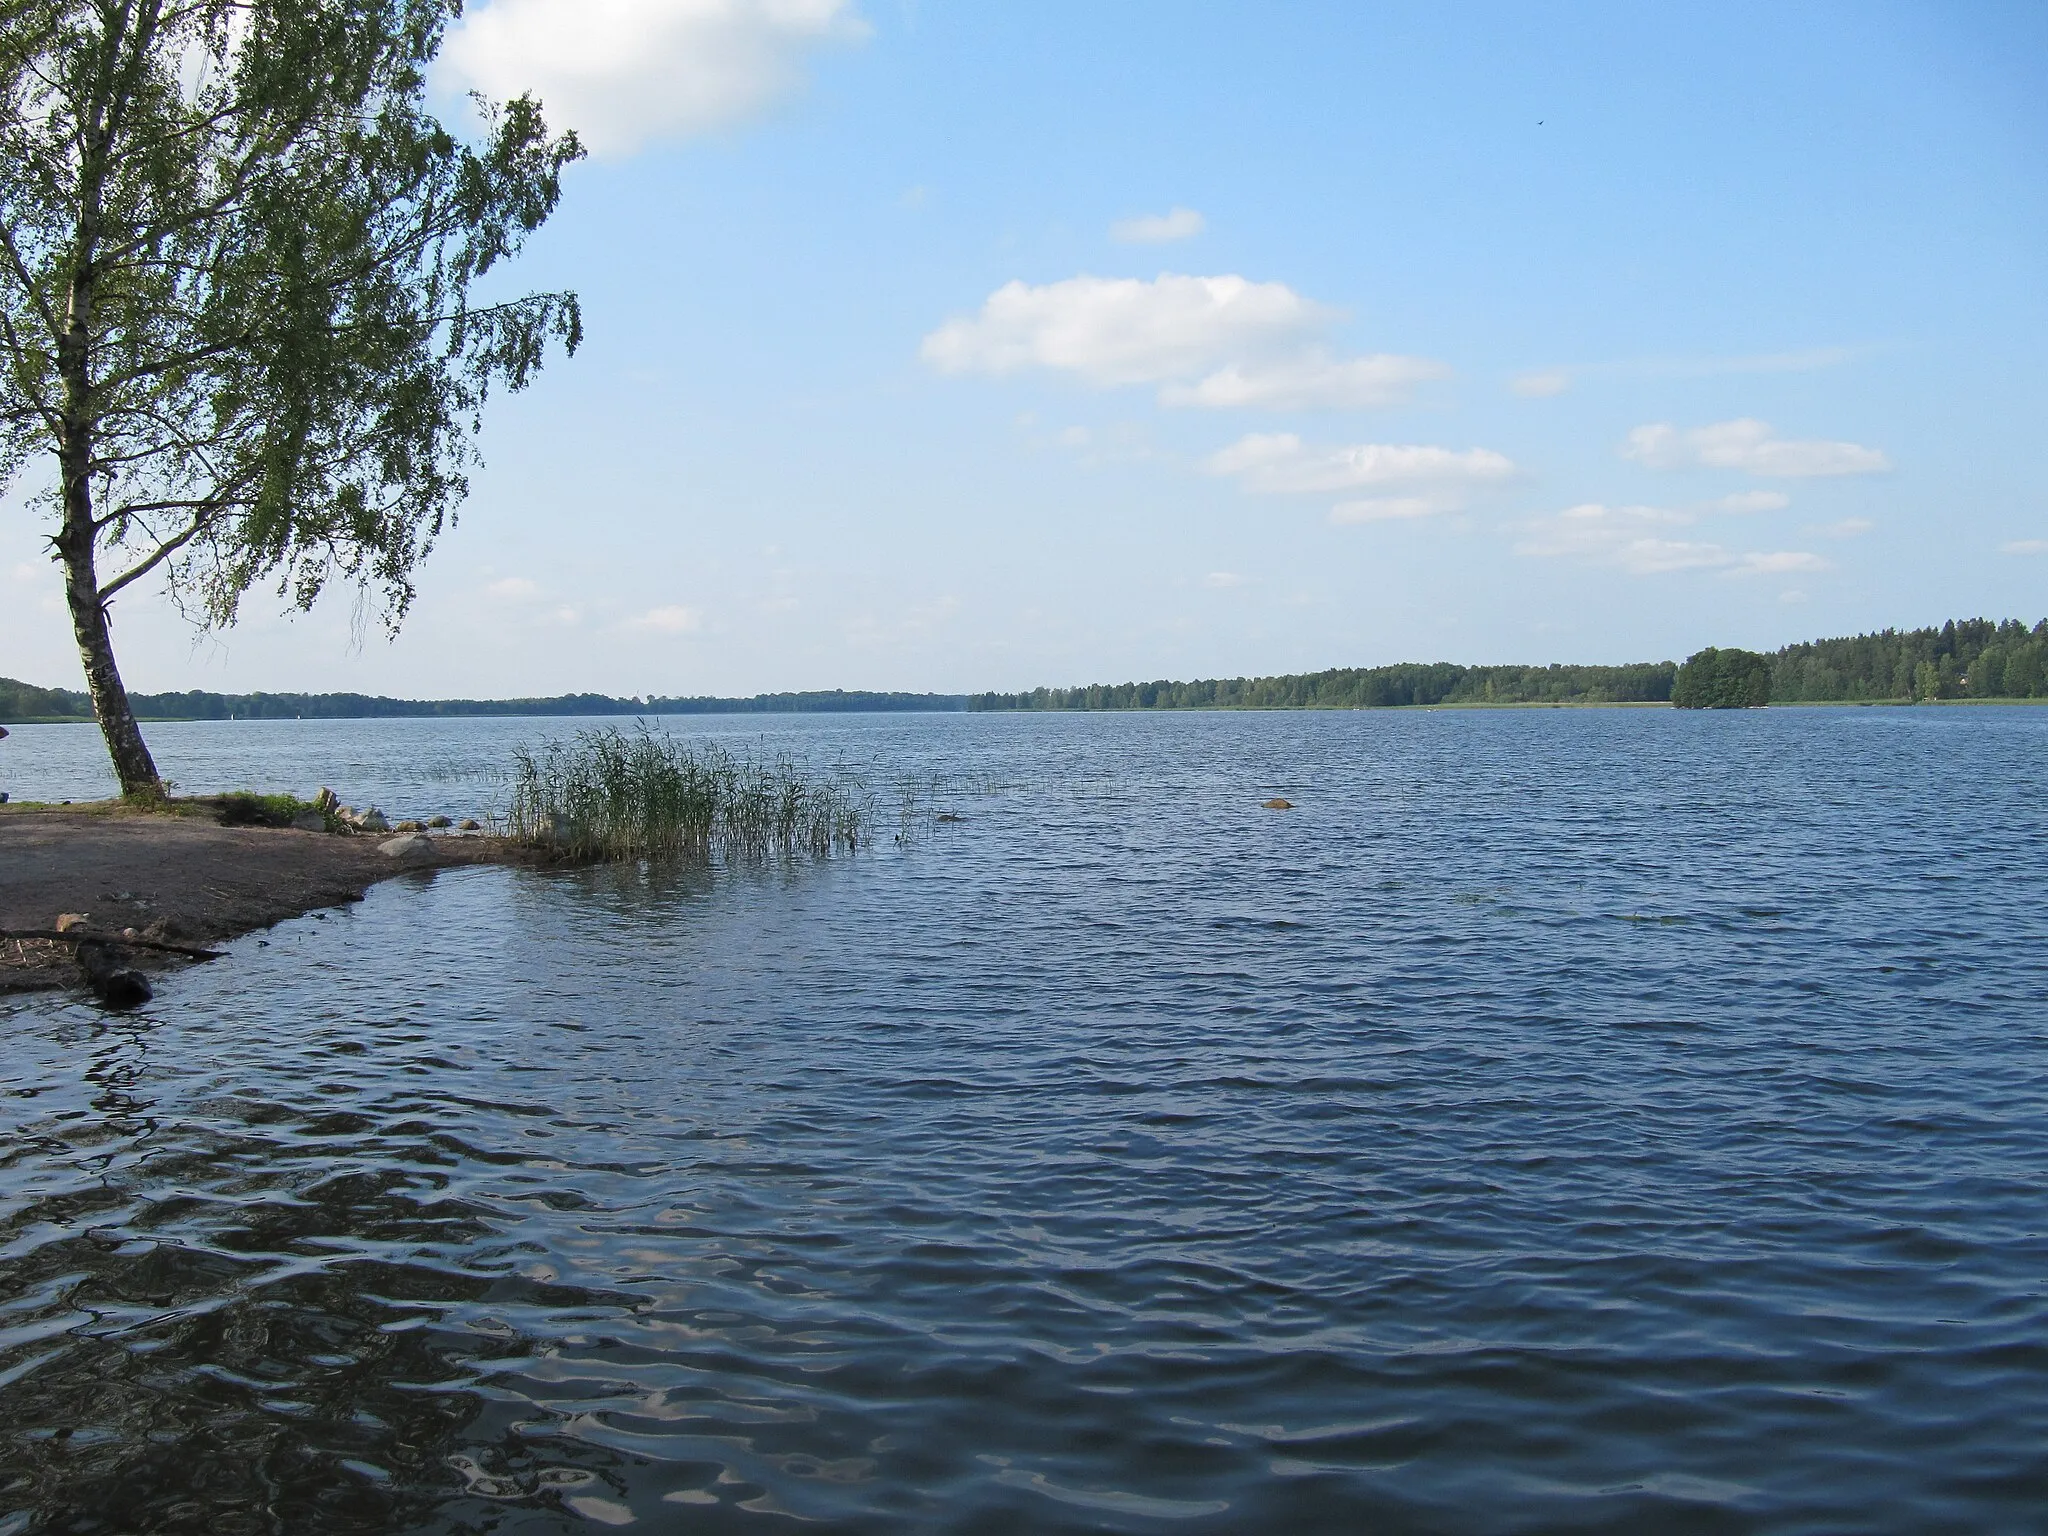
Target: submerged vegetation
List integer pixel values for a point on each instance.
(610, 795)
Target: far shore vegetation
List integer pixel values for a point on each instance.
(22, 703)
(1963, 660)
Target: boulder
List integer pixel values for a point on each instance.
(440, 821)
(310, 821)
(471, 825)
(406, 845)
(327, 800)
(410, 826)
(1278, 805)
(372, 820)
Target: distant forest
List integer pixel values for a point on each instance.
(21, 702)
(1963, 659)
(1438, 682)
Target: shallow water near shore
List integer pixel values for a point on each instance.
(1562, 1120)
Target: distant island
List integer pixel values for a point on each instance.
(1962, 659)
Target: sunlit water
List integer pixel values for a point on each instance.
(1564, 1120)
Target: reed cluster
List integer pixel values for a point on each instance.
(610, 795)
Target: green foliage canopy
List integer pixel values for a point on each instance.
(1406, 683)
(1962, 659)
(1723, 679)
(238, 308)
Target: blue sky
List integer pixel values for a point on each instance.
(936, 346)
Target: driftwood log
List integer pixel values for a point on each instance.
(103, 960)
(81, 936)
(112, 980)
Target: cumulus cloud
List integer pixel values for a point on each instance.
(1221, 579)
(624, 73)
(1750, 445)
(1158, 228)
(2025, 547)
(1542, 385)
(672, 619)
(1777, 563)
(1751, 501)
(1847, 528)
(514, 587)
(1413, 480)
(1649, 541)
(1312, 379)
(1280, 462)
(1208, 341)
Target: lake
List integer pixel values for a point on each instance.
(1570, 1119)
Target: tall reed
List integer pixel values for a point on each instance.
(608, 795)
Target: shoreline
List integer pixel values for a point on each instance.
(182, 877)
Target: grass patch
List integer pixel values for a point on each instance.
(244, 809)
(609, 795)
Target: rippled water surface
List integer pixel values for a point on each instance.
(1563, 1120)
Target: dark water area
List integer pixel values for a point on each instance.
(1563, 1120)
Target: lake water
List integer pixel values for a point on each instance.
(1619, 1120)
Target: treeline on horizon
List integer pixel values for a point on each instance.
(1962, 659)
(22, 702)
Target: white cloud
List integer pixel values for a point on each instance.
(670, 620)
(1307, 381)
(1541, 386)
(514, 587)
(1158, 228)
(1778, 563)
(1750, 501)
(1749, 444)
(1124, 330)
(1279, 462)
(28, 570)
(1210, 341)
(1222, 579)
(2025, 547)
(1847, 528)
(1640, 541)
(625, 72)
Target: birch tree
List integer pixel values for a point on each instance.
(247, 338)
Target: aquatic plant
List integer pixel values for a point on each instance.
(610, 795)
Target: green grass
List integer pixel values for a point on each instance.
(245, 809)
(610, 795)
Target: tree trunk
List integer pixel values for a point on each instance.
(78, 538)
(132, 762)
